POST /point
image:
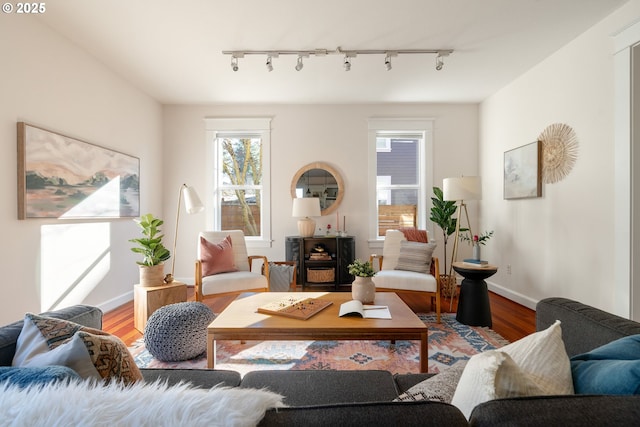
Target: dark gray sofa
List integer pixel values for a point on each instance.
(355, 398)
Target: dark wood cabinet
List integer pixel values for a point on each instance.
(322, 260)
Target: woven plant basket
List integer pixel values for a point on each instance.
(448, 287)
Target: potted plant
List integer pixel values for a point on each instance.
(362, 289)
(442, 213)
(152, 250)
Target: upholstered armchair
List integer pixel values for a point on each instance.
(224, 267)
(408, 267)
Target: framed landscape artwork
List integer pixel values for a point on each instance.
(522, 177)
(63, 177)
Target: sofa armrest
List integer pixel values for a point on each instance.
(583, 327)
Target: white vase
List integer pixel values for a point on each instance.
(363, 289)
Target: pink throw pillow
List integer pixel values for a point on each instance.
(216, 257)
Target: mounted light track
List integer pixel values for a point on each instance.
(347, 54)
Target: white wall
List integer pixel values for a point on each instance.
(301, 134)
(47, 81)
(561, 244)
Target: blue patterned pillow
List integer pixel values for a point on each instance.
(613, 368)
(27, 376)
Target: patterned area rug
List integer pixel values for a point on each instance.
(449, 342)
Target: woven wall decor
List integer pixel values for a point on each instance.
(559, 152)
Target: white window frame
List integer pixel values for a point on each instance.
(399, 126)
(254, 127)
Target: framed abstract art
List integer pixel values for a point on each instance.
(522, 177)
(63, 177)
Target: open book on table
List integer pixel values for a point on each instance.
(356, 308)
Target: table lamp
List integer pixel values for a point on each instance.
(459, 190)
(303, 208)
(192, 204)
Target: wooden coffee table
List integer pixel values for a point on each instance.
(240, 321)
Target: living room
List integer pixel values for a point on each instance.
(541, 245)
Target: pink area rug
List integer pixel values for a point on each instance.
(449, 342)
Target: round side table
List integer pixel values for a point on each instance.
(473, 304)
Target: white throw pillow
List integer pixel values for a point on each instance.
(535, 365)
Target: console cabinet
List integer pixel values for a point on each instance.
(322, 260)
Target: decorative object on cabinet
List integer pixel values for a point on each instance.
(304, 208)
(323, 270)
(64, 177)
(192, 204)
(522, 177)
(559, 152)
(322, 180)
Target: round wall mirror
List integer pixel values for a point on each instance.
(319, 180)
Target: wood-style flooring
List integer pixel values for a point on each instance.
(511, 320)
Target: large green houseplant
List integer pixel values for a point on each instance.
(153, 252)
(442, 212)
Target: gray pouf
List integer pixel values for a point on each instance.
(178, 332)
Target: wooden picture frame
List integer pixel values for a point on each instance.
(63, 177)
(522, 172)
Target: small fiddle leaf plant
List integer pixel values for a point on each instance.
(150, 246)
(361, 269)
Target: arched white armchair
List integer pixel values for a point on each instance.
(227, 282)
(390, 278)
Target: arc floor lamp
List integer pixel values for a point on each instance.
(192, 204)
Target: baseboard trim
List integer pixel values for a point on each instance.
(116, 302)
(513, 296)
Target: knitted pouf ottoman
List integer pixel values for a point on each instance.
(178, 332)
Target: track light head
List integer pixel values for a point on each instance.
(234, 63)
(269, 64)
(439, 62)
(387, 62)
(347, 63)
(299, 64)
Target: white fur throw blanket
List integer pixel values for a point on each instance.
(153, 404)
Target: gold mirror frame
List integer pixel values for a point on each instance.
(327, 168)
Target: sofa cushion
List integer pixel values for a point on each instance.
(613, 368)
(415, 256)
(23, 377)
(535, 365)
(439, 387)
(325, 387)
(217, 257)
(46, 341)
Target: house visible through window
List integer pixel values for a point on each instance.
(401, 173)
(239, 168)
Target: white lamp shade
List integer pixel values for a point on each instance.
(462, 188)
(306, 207)
(192, 203)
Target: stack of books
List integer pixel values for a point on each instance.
(319, 256)
(476, 262)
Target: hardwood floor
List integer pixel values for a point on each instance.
(511, 320)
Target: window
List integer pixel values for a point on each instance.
(239, 177)
(400, 174)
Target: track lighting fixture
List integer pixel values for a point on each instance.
(347, 63)
(387, 62)
(348, 54)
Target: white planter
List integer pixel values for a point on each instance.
(152, 276)
(363, 289)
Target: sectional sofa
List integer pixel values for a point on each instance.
(351, 398)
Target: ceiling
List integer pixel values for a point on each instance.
(172, 49)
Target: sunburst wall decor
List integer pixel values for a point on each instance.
(559, 152)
